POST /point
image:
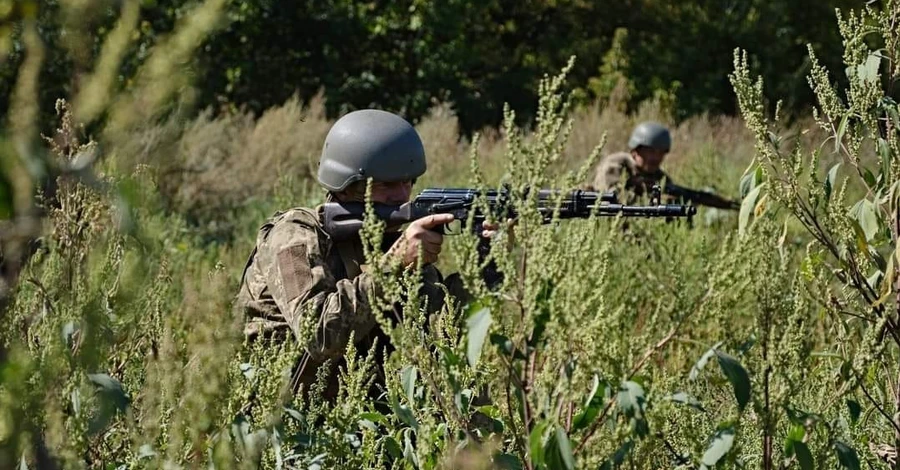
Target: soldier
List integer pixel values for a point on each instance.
(648, 145)
(296, 270)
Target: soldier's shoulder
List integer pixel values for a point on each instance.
(622, 159)
(303, 216)
(291, 224)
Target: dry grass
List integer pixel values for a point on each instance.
(216, 166)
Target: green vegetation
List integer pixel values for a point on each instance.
(767, 338)
(404, 55)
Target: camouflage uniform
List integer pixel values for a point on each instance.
(610, 171)
(296, 270)
(609, 176)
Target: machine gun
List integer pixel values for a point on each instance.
(343, 220)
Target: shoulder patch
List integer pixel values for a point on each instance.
(294, 271)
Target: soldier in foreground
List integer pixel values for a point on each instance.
(296, 270)
(308, 269)
(648, 146)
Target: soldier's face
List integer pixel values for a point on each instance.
(391, 193)
(647, 158)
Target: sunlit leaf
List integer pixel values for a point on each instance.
(830, 179)
(478, 325)
(701, 363)
(866, 214)
(868, 71)
(718, 448)
(408, 380)
(842, 128)
(631, 399)
(748, 205)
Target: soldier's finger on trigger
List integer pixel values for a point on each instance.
(437, 219)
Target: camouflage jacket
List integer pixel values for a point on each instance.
(296, 271)
(609, 177)
(610, 171)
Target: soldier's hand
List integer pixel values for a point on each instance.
(489, 229)
(418, 234)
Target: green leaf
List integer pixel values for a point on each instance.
(748, 205)
(804, 456)
(408, 380)
(393, 447)
(631, 399)
(536, 443)
(868, 72)
(595, 402)
(796, 433)
(365, 423)
(746, 184)
(559, 451)
(738, 377)
(565, 448)
(409, 450)
(855, 410)
(846, 455)
(374, 417)
(462, 400)
(685, 399)
(829, 180)
(869, 178)
(295, 415)
(884, 154)
(404, 413)
(490, 411)
(866, 213)
(507, 462)
(842, 128)
(478, 325)
(701, 363)
(112, 400)
(718, 448)
(111, 389)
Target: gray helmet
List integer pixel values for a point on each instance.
(370, 143)
(650, 134)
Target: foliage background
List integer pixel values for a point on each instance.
(407, 55)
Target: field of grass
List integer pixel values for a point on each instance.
(765, 338)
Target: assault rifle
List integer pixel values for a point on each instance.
(703, 198)
(343, 220)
